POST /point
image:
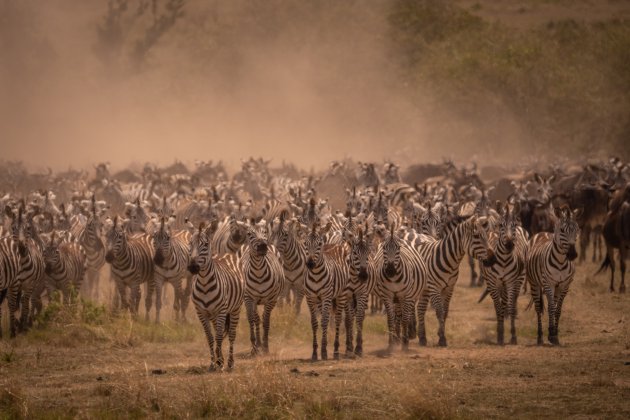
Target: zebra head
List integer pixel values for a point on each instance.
(162, 243)
(391, 254)
(479, 247)
(51, 254)
(566, 231)
(256, 239)
(360, 248)
(200, 248)
(116, 239)
(17, 228)
(431, 222)
(238, 230)
(313, 246)
(507, 227)
(281, 232)
(543, 187)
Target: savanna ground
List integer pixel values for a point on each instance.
(88, 362)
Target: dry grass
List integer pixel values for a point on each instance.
(104, 368)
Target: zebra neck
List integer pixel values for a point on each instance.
(207, 273)
(557, 253)
(453, 246)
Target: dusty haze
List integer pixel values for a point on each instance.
(302, 81)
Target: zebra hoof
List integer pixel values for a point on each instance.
(622, 288)
(212, 368)
(553, 339)
(314, 358)
(442, 342)
(358, 352)
(324, 355)
(513, 341)
(539, 342)
(611, 289)
(422, 341)
(336, 356)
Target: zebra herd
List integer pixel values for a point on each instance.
(264, 238)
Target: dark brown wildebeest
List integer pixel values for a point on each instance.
(617, 235)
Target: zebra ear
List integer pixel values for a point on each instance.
(577, 213)
(538, 178)
(9, 212)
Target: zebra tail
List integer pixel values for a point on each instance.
(605, 264)
(483, 295)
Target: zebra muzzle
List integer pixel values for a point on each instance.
(193, 267)
(158, 259)
(310, 264)
(491, 260)
(572, 253)
(109, 257)
(390, 270)
(363, 275)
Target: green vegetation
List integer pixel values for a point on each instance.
(567, 82)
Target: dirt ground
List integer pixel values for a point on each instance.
(126, 368)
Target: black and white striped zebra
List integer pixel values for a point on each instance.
(10, 250)
(361, 281)
(401, 280)
(324, 285)
(550, 269)
(171, 254)
(443, 258)
(89, 237)
(217, 293)
(32, 266)
(264, 281)
(229, 237)
(284, 237)
(65, 266)
(131, 261)
(505, 277)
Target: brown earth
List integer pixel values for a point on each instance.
(76, 369)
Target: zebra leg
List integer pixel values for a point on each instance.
(360, 317)
(349, 314)
(298, 297)
(232, 324)
(438, 304)
(421, 308)
(513, 308)
(559, 299)
(219, 327)
(148, 299)
(14, 297)
(391, 323)
(252, 314)
(203, 317)
(159, 285)
(135, 298)
(473, 273)
(339, 310)
(407, 314)
(551, 307)
(326, 306)
(177, 298)
(498, 308)
(398, 320)
(312, 306)
(25, 300)
(266, 324)
(185, 297)
(538, 304)
(122, 293)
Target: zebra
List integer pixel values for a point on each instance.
(550, 268)
(324, 285)
(284, 237)
(229, 237)
(505, 278)
(264, 281)
(171, 251)
(361, 280)
(131, 261)
(443, 258)
(401, 280)
(217, 293)
(10, 250)
(65, 266)
(32, 266)
(89, 236)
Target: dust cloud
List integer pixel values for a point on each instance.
(306, 82)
